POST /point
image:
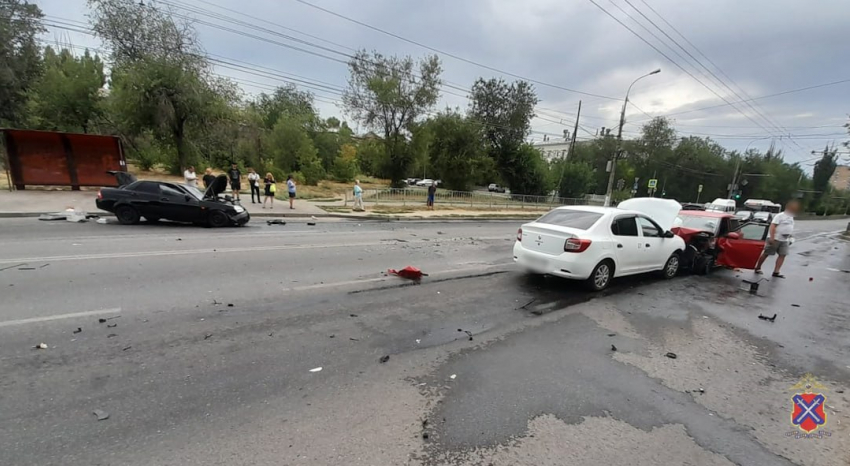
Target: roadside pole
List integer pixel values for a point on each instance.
(569, 151)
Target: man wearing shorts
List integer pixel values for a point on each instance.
(781, 230)
(235, 180)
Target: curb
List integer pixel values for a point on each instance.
(325, 215)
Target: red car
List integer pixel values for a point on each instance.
(719, 239)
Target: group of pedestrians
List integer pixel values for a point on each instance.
(234, 175)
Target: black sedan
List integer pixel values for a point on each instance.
(155, 200)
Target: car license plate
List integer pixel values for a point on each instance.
(537, 263)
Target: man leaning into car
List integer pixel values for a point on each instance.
(781, 230)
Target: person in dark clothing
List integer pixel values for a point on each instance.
(432, 192)
(208, 178)
(235, 180)
(254, 181)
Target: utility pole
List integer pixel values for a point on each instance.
(617, 152)
(569, 152)
(732, 186)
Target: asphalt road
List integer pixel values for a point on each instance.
(211, 341)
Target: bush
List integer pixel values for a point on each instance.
(345, 165)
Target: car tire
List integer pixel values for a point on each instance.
(218, 219)
(671, 267)
(127, 215)
(601, 276)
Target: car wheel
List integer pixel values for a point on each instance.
(601, 275)
(671, 267)
(152, 219)
(218, 219)
(127, 215)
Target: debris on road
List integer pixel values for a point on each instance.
(352, 315)
(769, 319)
(275, 222)
(126, 348)
(612, 334)
(469, 334)
(440, 233)
(102, 221)
(353, 339)
(101, 414)
(41, 346)
(101, 321)
(453, 376)
(671, 355)
(45, 265)
(27, 268)
(311, 224)
(208, 336)
(318, 369)
(112, 335)
(795, 305)
(528, 303)
(12, 267)
(78, 330)
(409, 272)
(229, 304)
(216, 303)
(613, 348)
(384, 359)
(332, 336)
(111, 325)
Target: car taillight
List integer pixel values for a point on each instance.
(519, 235)
(576, 245)
(99, 194)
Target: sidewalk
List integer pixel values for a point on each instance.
(31, 203)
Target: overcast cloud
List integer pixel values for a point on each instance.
(765, 46)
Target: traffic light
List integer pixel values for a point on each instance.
(737, 195)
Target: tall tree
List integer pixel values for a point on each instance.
(824, 168)
(68, 95)
(456, 149)
(286, 101)
(505, 112)
(388, 94)
(160, 80)
(20, 61)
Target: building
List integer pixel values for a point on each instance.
(552, 150)
(841, 178)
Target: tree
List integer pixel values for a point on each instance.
(824, 168)
(456, 150)
(20, 61)
(372, 158)
(160, 80)
(388, 96)
(575, 179)
(345, 165)
(67, 96)
(285, 102)
(505, 112)
(291, 146)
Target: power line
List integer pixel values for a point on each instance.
(451, 55)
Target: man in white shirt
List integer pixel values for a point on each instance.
(781, 230)
(254, 181)
(191, 179)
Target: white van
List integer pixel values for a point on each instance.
(722, 205)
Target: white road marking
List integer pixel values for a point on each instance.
(182, 252)
(10, 323)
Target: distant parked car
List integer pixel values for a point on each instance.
(425, 182)
(692, 206)
(744, 215)
(494, 188)
(762, 217)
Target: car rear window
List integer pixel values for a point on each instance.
(577, 219)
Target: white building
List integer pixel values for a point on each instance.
(553, 150)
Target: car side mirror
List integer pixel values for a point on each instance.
(734, 235)
(669, 234)
(187, 198)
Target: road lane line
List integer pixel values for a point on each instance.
(32, 320)
(182, 252)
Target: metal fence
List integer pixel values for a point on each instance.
(460, 199)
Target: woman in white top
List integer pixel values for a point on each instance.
(254, 181)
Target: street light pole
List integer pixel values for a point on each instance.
(733, 185)
(610, 189)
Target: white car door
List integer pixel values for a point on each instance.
(652, 238)
(627, 245)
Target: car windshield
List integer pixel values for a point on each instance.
(762, 215)
(743, 214)
(578, 219)
(194, 191)
(708, 224)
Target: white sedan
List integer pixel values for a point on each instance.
(596, 244)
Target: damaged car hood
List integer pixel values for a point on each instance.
(662, 211)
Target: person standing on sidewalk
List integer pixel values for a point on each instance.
(190, 178)
(779, 236)
(254, 181)
(290, 186)
(432, 193)
(270, 190)
(208, 178)
(358, 197)
(235, 180)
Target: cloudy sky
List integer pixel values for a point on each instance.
(756, 47)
